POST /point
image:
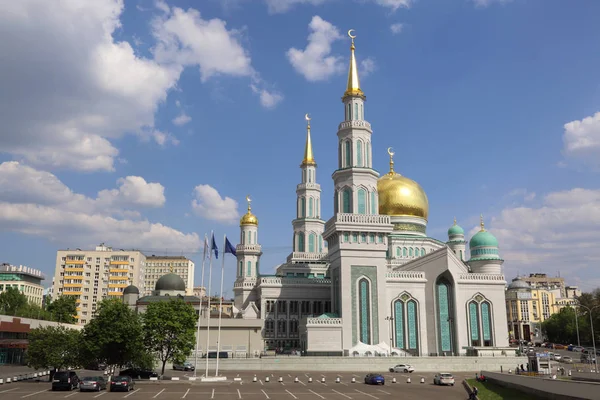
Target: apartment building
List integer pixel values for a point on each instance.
(27, 280)
(157, 266)
(93, 275)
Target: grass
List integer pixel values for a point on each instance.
(489, 391)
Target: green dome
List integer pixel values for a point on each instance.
(483, 239)
(456, 230)
(170, 282)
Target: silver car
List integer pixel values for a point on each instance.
(402, 368)
(92, 384)
(443, 378)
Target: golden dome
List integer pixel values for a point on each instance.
(401, 196)
(249, 218)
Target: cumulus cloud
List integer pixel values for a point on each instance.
(209, 204)
(315, 62)
(486, 3)
(581, 139)
(181, 119)
(282, 6)
(37, 203)
(367, 66)
(68, 87)
(396, 28)
(394, 4)
(558, 234)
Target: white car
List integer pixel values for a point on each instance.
(443, 378)
(555, 357)
(402, 368)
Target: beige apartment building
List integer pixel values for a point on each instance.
(27, 280)
(157, 266)
(93, 275)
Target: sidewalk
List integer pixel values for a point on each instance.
(20, 372)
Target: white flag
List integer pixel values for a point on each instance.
(206, 254)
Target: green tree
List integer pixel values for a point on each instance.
(12, 300)
(560, 327)
(63, 309)
(170, 330)
(53, 347)
(113, 336)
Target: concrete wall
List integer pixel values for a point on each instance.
(370, 364)
(545, 388)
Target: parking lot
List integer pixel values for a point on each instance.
(241, 386)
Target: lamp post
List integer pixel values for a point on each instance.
(590, 309)
(390, 319)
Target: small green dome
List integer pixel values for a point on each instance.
(170, 282)
(456, 230)
(483, 239)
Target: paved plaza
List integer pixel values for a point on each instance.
(243, 387)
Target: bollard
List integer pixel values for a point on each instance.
(510, 371)
(337, 380)
(15, 379)
(393, 380)
(408, 380)
(8, 380)
(296, 379)
(323, 379)
(280, 379)
(353, 380)
(267, 379)
(501, 369)
(422, 380)
(310, 379)
(254, 379)
(1, 381)
(569, 372)
(554, 376)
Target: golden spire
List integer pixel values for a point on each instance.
(481, 223)
(391, 153)
(454, 220)
(309, 159)
(171, 268)
(249, 200)
(249, 218)
(353, 87)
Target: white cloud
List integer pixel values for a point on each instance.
(68, 88)
(315, 62)
(209, 204)
(396, 28)
(394, 4)
(367, 66)
(281, 6)
(181, 119)
(559, 234)
(37, 203)
(522, 194)
(267, 99)
(581, 139)
(486, 3)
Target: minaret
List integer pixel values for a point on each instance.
(308, 225)
(248, 259)
(456, 241)
(355, 180)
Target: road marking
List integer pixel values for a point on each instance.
(291, 394)
(345, 395)
(265, 393)
(127, 395)
(9, 390)
(299, 381)
(213, 394)
(316, 393)
(186, 393)
(239, 394)
(69, 395)
(260, 380)
(306, 375)
(158, 394)
(101, 394)
(289, 375)
(367, 394)
(356, 376)
(33, 394)
(383, 391)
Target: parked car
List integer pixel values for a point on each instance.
(566, 360)
(65, 380)
(578, 348)
(96, 366)
(186, 366)
(92, 384)
(443, 378)
(402, 368)
(555, 356)
(121, 383)
(374, 379)
(136, 373)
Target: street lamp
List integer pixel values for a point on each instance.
(390, 319)
(590, 309)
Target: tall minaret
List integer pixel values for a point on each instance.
(248, 259)
(355, 180)
(308, 225)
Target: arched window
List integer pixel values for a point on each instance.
(399, 323)
(249, 268)
(356, 111)
(255, 241)
(423, 251)
(410, 252)
(373, 204)
(362, 201)
(486, 323)
(444, 315)
(348, 153)
(397, 251)
(404, 252)
(474, 323)
(318, 209)
(241, 272)
(461, 255)
(359, 153)
(346, 205)
(362, 115)
(311, 207)
(405, 311)
(364, 310)
(311, 243)
(249, 237)
(368, 155)
(301, 242)
(349, 112)
(411, 317)
(302, 207)
(320, 244)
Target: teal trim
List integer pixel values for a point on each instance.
(364, 311)
(486, 321)
(301, 242)
(359, 154)
(373, 204)
(302, 207)
(241, 268)
(444, 316)
(362, 201)
(356, 273)
(311, 243)
(485, 258)
(249, 268)
(474, 320)
(348, 152)
(399, 324)
(411, 312)
(346, 205)
(311, 207)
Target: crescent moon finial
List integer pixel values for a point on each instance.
(391, 151)
(307, 117)
(350, 35)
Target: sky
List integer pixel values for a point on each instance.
(144, 124)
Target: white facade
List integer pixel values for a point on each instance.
(157, 266)
(27, 280)
(379, 282)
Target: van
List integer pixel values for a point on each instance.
(213, 354)
(65, 380)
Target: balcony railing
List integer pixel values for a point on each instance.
(354, 124)
(248, 247)
(361, 219)
(308, 185)
(481, 277)
(405, 275)
(324, 321)
(275, 280)
(298, 256)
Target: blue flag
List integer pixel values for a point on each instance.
(229, 247)
(214, 247)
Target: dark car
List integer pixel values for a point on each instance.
(65, 380)
(186, 366)
(374, 379)
(92, 384)
(96, 366)
(121, 383)
(136, 373)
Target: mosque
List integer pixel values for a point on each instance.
(370, 281)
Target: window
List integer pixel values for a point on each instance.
(362, 201)
(302, 207)
(310, 207)
(301, 242)
(364, 310)
(355, 111)
(311, 243)
(348, 154)
(373, 204)
(249, 268)
(359, 153)
(346, 205)
(249, 237)
(368, 155)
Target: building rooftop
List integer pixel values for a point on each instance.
(23, 270)
(154, 257)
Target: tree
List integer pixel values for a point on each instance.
(53, 347)
(170, 330)
(63, 309)
(113, 336)
(12, 300)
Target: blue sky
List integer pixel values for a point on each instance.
(145, 124)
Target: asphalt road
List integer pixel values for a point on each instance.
(260, 390)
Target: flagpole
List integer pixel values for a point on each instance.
(221, 303)
(201, 303)
(212, 235)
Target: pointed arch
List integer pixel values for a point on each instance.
(347, 154)
(359, 153)
(347, 201)
(405, 311)
(311, 207)
(301, 242)
(302, 207)
(362, 200)
(311, 242)
(364, 309)
(445, 314)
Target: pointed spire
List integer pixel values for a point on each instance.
(353, 87)
(454, 220)
(391, 153)
(481, 223)
(309, 158)
(249, 200)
